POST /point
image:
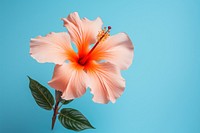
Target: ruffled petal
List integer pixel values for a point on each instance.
(117, 49)
(82, 31)
(105, 82)
(54, 47)
(69, 79)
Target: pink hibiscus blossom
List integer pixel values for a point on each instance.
(96, 67)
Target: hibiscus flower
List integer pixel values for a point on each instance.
(95, 66)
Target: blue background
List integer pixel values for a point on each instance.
(163, 84)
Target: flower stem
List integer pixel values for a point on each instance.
(55, 110)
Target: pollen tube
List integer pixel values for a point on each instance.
(103, 35)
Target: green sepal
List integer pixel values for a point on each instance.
(41, 94)
(66, 101)
(63, 101)
(74, 120)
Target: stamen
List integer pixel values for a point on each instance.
(102, 36)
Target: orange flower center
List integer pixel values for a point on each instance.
(102, 36)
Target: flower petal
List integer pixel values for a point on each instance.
(117, 49)
(105, 82)
(69, 79)
(82, 31)
(54, 47)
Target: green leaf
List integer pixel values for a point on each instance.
(41, 94)
(74, 120)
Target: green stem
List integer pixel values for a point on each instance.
(60, 106)
(56, 108)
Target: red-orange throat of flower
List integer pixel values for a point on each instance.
(102, 36)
